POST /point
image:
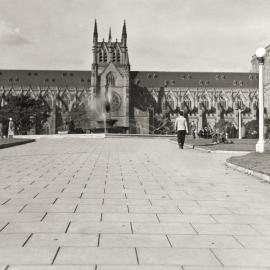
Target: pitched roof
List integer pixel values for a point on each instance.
(194, 79)
(62, 78)
(58, 78)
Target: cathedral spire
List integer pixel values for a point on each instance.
(124, 31)
(95, 35)
(110, 34)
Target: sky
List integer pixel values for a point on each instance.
(163, 35)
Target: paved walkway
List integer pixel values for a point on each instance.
(128, 204)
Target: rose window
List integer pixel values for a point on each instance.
(116, 102)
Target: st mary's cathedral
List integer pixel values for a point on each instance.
(133, 101)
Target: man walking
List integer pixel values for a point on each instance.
(181, 128)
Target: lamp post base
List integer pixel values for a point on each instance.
(260, 146)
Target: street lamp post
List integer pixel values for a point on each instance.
(105, 123)
(107, 106)
(241, 108)
(240, 124)
(260, 53)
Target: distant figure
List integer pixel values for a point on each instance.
(181, 128)
(1, 130)
(268, 132)
(234, 131)
(193, 129)
(46, 128)
(200, 133)
(10, 128)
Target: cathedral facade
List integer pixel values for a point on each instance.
(133, 101)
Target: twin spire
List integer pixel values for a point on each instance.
(124, 32)
(110, 34)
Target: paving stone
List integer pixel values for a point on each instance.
(52, 267)
(133, 240)
(148, 196)
(251, 211)
(104, 195)
(17, 255)
(163, 228)
(68, 208)
(175, 256)
(62, 239)
(75, 201)
(241, 219)
(221, 268)
(32, 227)
(66, 217)
(186, 218)
(23, 201)
(223, 203)
(244, 257)
(11, 208)
(203, 241)
(225, 229)
(129, 217)
(204, 210)
(102, 209)
(2, 224)
(254, 241)
(83, 255)
(179, 203)
(262, 229)
(99, 227)
(20, 217)
(153, 209)
(13, 240)
(108, 201)
(55, 195)
(137, 267)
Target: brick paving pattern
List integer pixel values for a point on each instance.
(128, 204)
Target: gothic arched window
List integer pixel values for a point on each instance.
(105, 57)
(114, 56)
(100, 56)
(118, 56)
(239, 104)
(163, 104)
(205, 102)
(223, 103)
(187, 102)
(170, 102)
(110, 79)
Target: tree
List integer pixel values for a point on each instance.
(26, 112)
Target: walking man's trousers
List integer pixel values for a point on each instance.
(181, 134)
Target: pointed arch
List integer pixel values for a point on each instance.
(100, 56)
(188, 100)
(110, 80)
(103, 53)
(114, 55)
(105, 56)
(170, 101)
(205, 101)
(118, 56)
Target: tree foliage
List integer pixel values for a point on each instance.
(26, 112)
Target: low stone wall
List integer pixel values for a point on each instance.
(61, 136)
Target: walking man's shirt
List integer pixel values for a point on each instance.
(182, 128)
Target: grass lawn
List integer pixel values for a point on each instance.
(259, 162)
(238, 145)
(5, 143)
